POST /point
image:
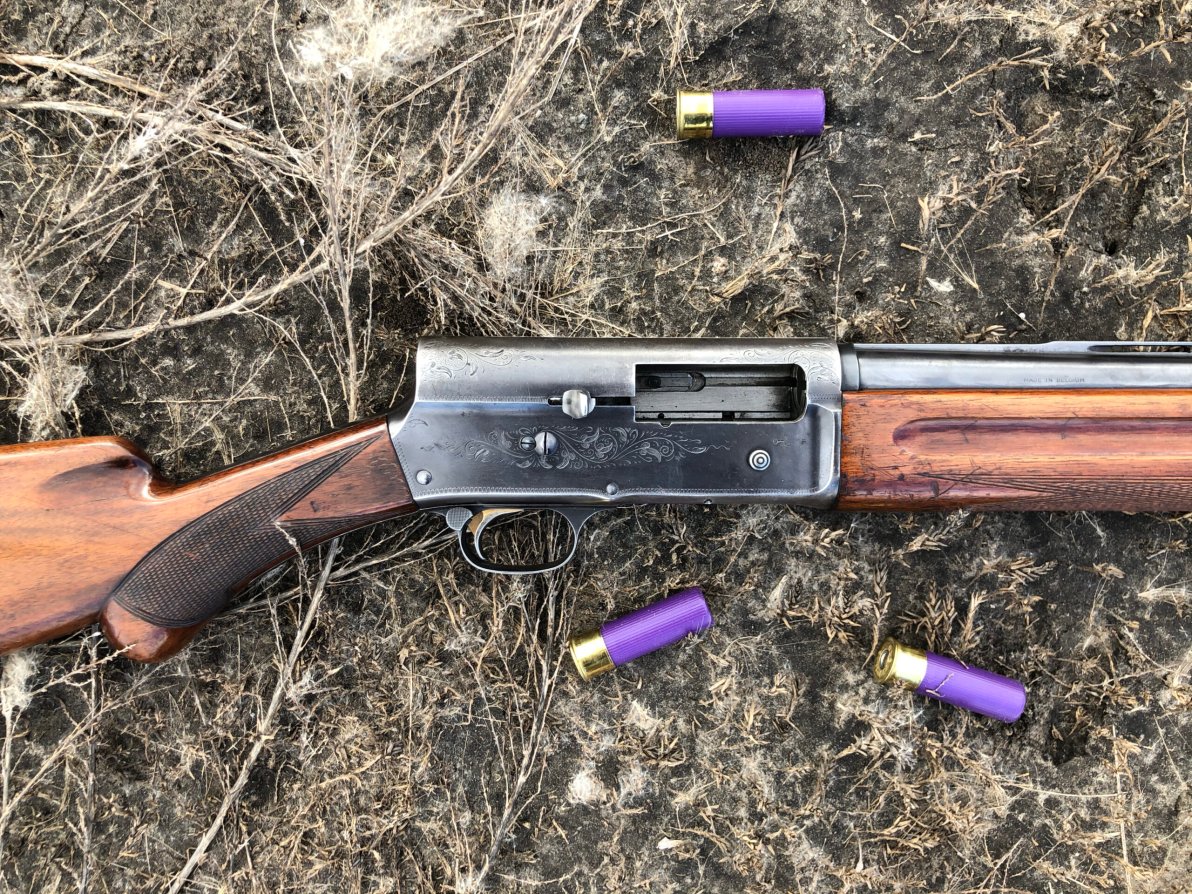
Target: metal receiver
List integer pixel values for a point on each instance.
(498, 426)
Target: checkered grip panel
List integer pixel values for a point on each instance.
(191, 575)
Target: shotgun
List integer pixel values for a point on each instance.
(89, 530)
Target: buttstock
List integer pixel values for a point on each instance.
(1096, 449)
(90, 531)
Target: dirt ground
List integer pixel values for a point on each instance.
(223, 226)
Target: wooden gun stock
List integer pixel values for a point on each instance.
(1097, 449)
(89, 531)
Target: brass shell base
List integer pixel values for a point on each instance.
(896, 663)
(693, 114)
(590, 655)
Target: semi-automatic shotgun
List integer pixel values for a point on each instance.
(89, 531)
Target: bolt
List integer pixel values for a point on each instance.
(577, 403)
(611, 488)
(422, 476)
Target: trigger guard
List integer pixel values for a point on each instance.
(471, 532)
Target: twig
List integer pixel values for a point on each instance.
(1019, 60)
(840, 260)
(283, 163)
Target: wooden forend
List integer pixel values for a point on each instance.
(88, 530)
(1127, 450)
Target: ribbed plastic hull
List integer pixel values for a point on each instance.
(767, 113)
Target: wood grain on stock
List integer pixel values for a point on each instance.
(89, 531)
(1125, 450)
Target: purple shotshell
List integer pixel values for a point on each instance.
(656, 626)
(951, 681)
(645, 630)
(767, 113)
(748, 113)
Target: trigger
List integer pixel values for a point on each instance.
(459, 518)
(482, 519)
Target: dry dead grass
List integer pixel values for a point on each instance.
(222, 228)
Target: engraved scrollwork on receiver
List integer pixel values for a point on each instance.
(467, 361)
(580, 447)
(808, 358)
